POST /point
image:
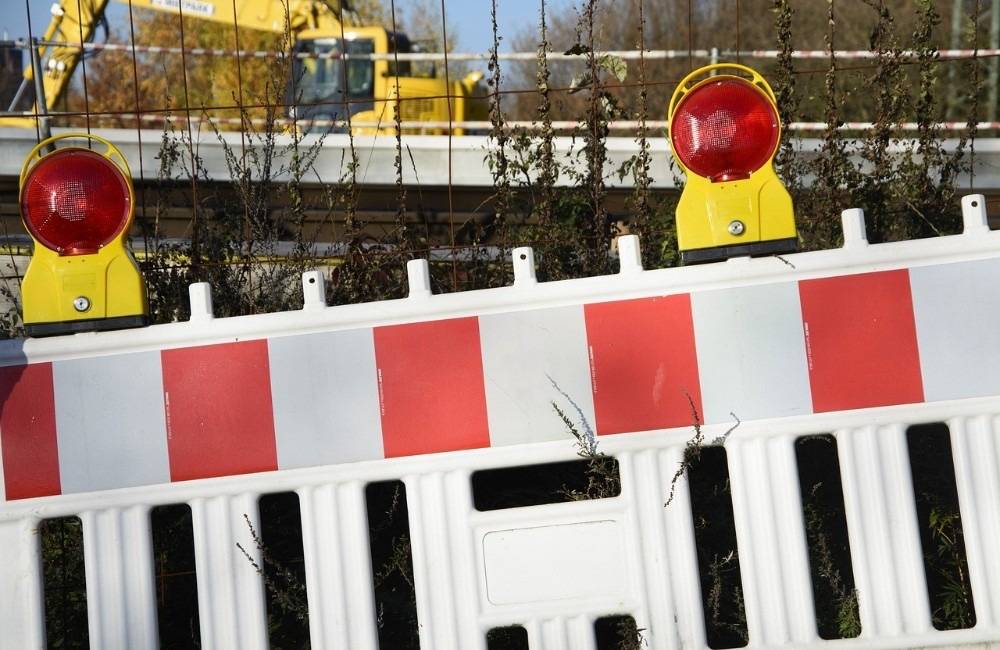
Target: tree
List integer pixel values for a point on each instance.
(714, 25)
(213, 86)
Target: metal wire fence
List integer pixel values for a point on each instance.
(271, 91)
(715, 55)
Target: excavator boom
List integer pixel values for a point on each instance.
(265, 15)
(75, 21)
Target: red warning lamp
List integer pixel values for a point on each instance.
(77, 204)
(75, 201)
(725, 130)
(724, 133)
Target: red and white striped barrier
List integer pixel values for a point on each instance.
(762, 352)
(790, 346)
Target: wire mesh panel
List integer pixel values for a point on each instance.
(572, 459)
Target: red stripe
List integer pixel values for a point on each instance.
(219, 415)
(861, 341)
(431, 387)
(28, 431)
(643, 363)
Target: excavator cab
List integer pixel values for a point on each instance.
(322, 89)
(328, 85)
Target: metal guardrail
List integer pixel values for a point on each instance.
(376, 156)
(653, 126)
(430, 157)
(859, 342)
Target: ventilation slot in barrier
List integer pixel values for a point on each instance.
(511, 637)
(534, 485)
(392, 566)
(284, 570)
(618, 633)
(718, 557)
(823, 511)
(176, 577)
(64, 582)
(940, 523)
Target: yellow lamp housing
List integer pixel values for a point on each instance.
(724, 134)
(77, 204)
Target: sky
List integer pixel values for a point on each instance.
(470, 16)
(513, 16)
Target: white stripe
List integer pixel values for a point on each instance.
(678, 523)
(751, 352)
(338, 566)
(530, 360)
(770, 531)
(22, 614)
(325, 393)
(956, 308)
(883, 531)
(554, 635)
(466, 572)
(641, 477)
(118, 561)
(110, 422)
(975, 444)
(444, 571)
(580, 631)
(231, 609)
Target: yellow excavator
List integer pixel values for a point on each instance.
(324, 89)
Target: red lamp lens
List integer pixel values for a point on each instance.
(75, 201)
(724, 130)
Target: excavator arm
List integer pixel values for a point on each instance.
(75, 21)
(264, 15)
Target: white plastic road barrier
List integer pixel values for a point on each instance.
(860, 342)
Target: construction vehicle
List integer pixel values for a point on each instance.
(319, 43)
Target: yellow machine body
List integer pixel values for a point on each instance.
(707, 209)
(421, 97)
(421, 100)
(108, 281)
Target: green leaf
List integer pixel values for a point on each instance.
(615, 65)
